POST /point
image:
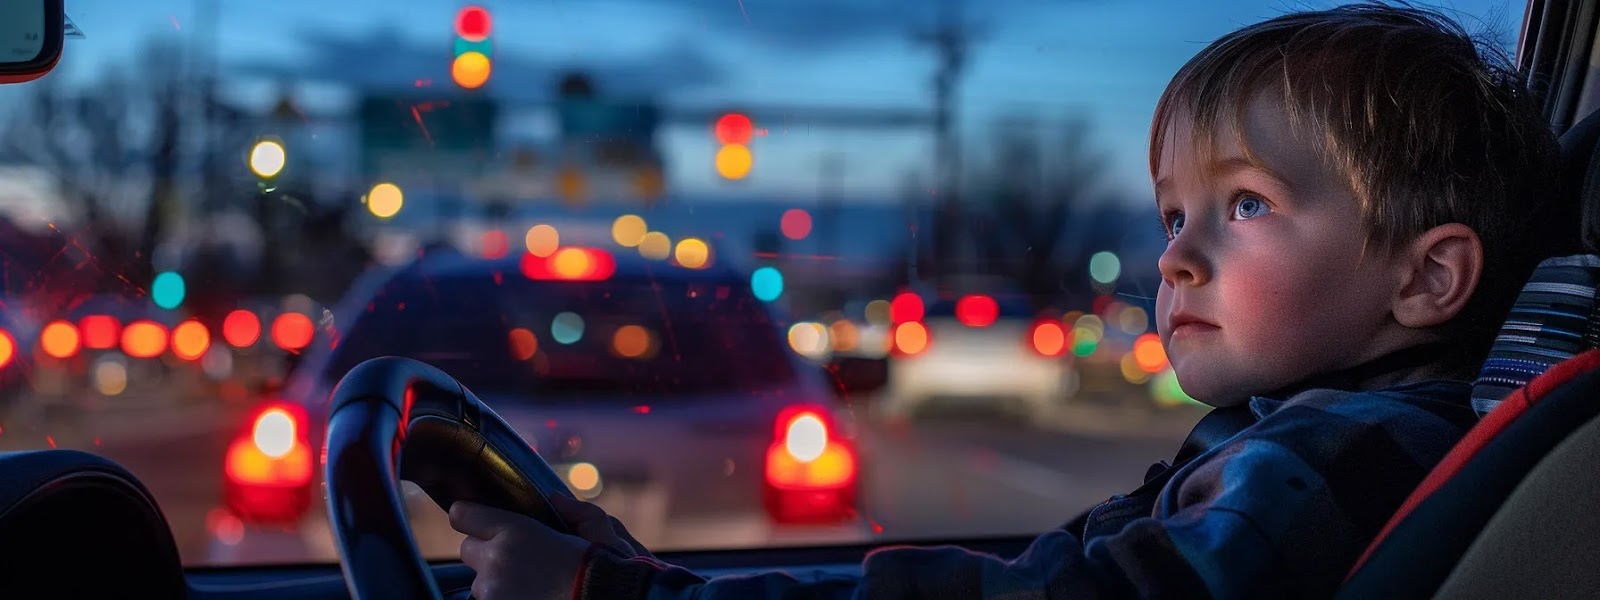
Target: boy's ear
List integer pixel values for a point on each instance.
(1439, 271)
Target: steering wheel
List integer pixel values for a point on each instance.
(396, 419)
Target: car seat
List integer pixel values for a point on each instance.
(1514, 508)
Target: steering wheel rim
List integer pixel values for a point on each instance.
(394, 418)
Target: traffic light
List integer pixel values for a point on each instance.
(734, 131)
(471, 66)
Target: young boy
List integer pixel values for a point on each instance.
(1348, 197)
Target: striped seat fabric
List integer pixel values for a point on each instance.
(1550, 322)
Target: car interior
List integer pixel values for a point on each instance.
(1508, 513)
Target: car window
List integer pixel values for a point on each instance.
(213, 209)
(533, 342)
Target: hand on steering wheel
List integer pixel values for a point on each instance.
(395, 418)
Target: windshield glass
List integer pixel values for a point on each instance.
(648, 231)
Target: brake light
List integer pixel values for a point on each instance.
(273, 452)
(571, 263)
(1048, 338)
(810, 471)
(241, 328)
(144, 339)
(806, 456)
(60, 339)
(911, 338)
(8, 347)
(100, 332)
(906, 307)
(977, 311)
(292, 331)
(267, 471)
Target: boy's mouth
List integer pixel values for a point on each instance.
(1187, 324)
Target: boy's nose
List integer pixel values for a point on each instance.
(1182, 263)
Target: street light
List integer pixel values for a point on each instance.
(267, 159)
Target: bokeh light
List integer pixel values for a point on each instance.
(1049, 338)
(385, 200)
(292, 331)
(910, 337)
(844, 336)
(267, 158)
(110, 376)
(144, 339)
(1149, 353)
(631, 341)
(795, 224)
(877, 312)
(734, 128)
(584, 477)
(767, 284)
(734, 161)
(1105, 267)
(59, 339)
(1132, 372)
(190, 340)
(655, 246)
(470, 70)
(567, 328)
(571, 263)
(907, 306)
(628, 231)
(241, 328)
(100, 332)
(8, 347)
(808, 339)
(496, 244)
(1133, 320)
(523, 344)
(692, 253)
(1164, 387)
(542, 240)
(168, 290)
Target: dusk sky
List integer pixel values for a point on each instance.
(1107, 60)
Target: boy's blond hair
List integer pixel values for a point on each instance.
(1429, 127)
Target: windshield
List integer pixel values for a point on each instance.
(621, 339)
(648, 229)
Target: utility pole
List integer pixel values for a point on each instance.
(949, 39)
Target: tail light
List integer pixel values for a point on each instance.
(268, 467)
(144, 339)
(570, 264)
(977, 310)
(8, 348)
(910, 338)
(1048, 337)
(100, 332)
(60, 339)
(810, 470)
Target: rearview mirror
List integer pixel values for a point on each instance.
(31, 35)
(853, 376)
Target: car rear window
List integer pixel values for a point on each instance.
(542, 340)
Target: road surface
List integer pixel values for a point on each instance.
(940, 477)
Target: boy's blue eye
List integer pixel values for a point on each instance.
(1174, 224)
(1250, 207)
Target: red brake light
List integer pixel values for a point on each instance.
(570, 264)
(241, 328)
(274, 451)
(268, 468)
(805, 454)
(906, 307)
(8, 347)
(293, 331)
(810, 471)
(977, 311)
(100, 332)
(1048, 338)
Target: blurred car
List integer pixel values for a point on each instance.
(982, 351)
(667, 395)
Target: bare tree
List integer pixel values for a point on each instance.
(1027, 199)
(114, 148)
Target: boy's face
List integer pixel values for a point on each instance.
(1265, 283)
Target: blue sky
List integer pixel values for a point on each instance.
(1104, 59)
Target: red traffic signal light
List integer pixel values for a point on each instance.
(734, 128)
(473, 23)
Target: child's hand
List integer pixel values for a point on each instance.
(515, 556)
